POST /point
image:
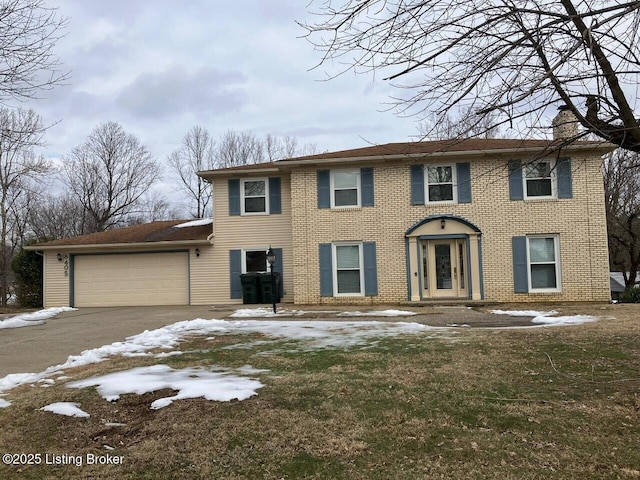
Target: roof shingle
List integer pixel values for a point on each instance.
(160, 231)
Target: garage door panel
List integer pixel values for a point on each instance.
(131, 279)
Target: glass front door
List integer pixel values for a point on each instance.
(443, 268)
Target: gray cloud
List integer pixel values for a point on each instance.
(176, 90)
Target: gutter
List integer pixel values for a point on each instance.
(103, 246)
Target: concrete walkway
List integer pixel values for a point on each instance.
(33, 349)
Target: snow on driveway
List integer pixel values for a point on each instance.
(33, 318)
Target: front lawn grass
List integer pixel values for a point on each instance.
(544, 403)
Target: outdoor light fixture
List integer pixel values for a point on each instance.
(271, 259)
(197, 252)
(442, 223)
(59, 256)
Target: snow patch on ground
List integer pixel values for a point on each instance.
(261, 312)
(195, 223)
(378, 313)
(221, 386)
(33, 318)
(66, 408)
(315, 334)
(4, 403)
(524, 313)
(546, 318)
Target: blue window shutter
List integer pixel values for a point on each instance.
(370, 269)
(324, 189)
(326, 270)
(277, 267)
(565, 187)
(366, 183)
(275, 204)
(520, 270)
(463, 172)
(235, 269)
(515, 180)
(417, 185)
(234, 196)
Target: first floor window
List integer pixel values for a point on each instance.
(348, 269)
(543, 263)
(539, 179)
(255, 261)
(254, 196)
(440, 182)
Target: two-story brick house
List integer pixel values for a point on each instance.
(494, 219)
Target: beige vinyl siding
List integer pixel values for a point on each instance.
(56, 282)
(237, 232)
(137, 279)
(203, 273)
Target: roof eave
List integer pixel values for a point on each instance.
(286, 165)
(118, 246)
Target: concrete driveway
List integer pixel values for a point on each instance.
(33, 349)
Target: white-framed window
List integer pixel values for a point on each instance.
(254, 260)
(348, 274)
(543, 262)
(254, 193)
(345, 188)
(440, 183)
(539, 179)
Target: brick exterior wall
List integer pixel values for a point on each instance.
(579, 221)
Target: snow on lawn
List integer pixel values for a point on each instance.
(313, 335)
(33, 318)
(195, 223)
(221, 386)
(545, 318)
(66, 408)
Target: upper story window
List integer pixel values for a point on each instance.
(255, 196)
(440, 182)
(540, 179)
(345, 188)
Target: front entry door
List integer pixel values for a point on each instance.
(443, 264)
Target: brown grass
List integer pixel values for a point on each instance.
(508, 404)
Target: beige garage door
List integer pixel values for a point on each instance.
(131, 279)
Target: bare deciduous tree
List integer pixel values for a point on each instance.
(511, 59)
(29, 31)
(109, 175)
(196, 153)
(463, 125)
(54, 217)
(622, 196)
(238, 148)
(20, 170)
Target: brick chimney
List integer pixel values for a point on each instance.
(565, 124)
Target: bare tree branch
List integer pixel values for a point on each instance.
(508, 58)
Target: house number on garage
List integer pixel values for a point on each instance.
(66, 266)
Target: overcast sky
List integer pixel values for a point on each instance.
(159, 67)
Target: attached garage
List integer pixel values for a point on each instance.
(166, 262)
(134, 279)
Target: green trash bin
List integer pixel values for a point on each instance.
(265, 287)
(250, 288)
